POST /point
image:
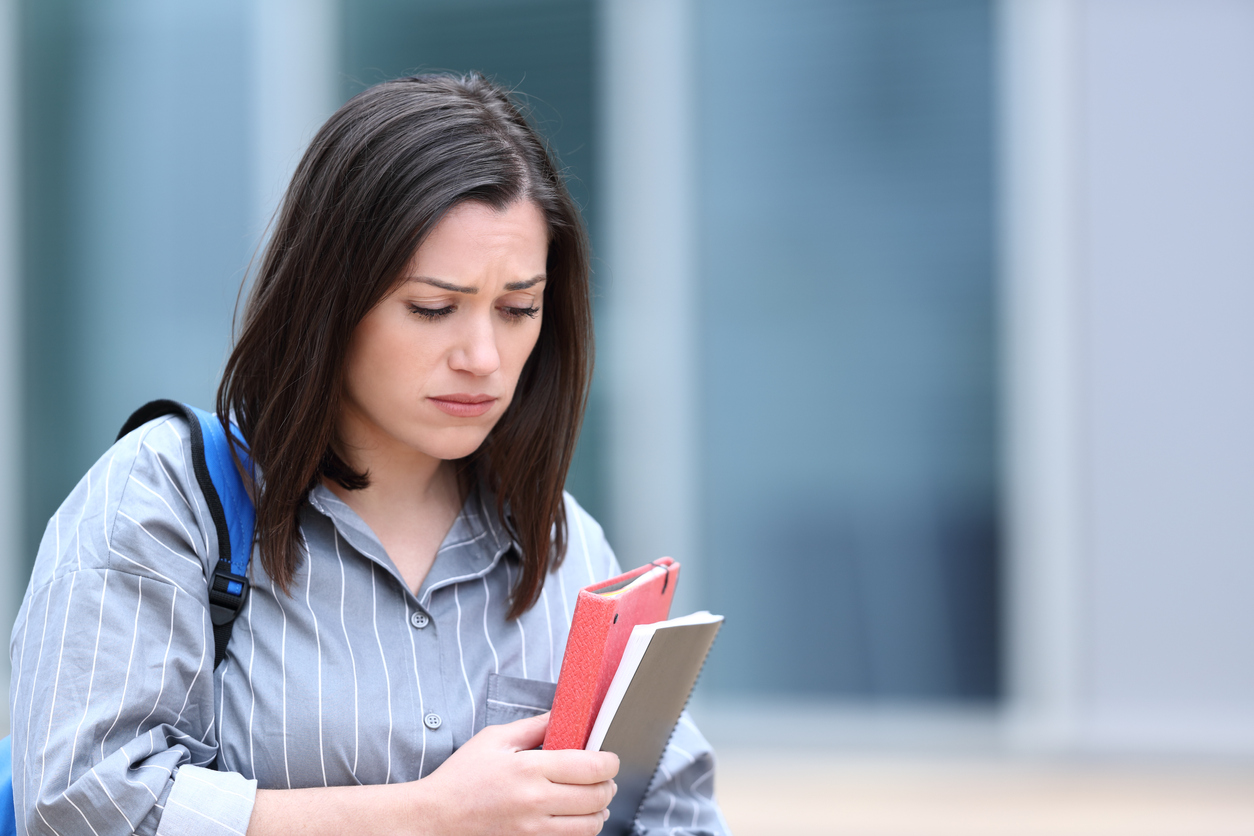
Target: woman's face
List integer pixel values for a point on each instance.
(431, 369)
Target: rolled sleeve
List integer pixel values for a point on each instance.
(208, 803)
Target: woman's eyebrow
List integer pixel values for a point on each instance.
(456, 288)
(523, 285)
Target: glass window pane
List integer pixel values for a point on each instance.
(847, 248)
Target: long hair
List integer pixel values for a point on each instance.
(376, 179)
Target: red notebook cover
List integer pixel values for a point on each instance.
(599, 631)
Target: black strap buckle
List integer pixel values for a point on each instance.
(226, 595)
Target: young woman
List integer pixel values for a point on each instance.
(410, 379)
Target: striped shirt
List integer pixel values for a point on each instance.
(119, 715)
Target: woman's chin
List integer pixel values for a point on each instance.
(457, 445)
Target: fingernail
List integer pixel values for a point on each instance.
(614, 784)
(605, 814)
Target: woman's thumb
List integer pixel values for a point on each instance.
(527, 733)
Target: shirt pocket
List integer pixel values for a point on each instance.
(511, 698)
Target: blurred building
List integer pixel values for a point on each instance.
(925, 326)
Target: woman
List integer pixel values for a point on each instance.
(410, 379)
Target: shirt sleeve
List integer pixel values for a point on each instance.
(680, 800)
(112, 701)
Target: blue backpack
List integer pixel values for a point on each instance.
(233, 518)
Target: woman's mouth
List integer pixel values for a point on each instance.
(464, 406)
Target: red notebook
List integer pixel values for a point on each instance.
(604, 615)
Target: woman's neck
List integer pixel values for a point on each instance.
(410, 503)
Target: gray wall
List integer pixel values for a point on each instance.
(1168, 381)
(1129, 280)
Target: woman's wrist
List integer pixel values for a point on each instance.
(366, 810)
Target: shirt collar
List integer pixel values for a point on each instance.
(473, 546)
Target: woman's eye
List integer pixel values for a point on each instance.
(519, 313)
(430, 313)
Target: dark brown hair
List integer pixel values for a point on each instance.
(375, 180)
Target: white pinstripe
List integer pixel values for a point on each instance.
(448, 547)
(548, 617)
(461, 657)
(200, 666)
(287, 770)
(191, 541)
(91, 680)
(322, 758)
(126, 683)
(561, 585)
(56, 682)
(66, 796)
(175, 485)
(522, 634)
(383, 657)
(335, 535)
(111, 800)
(195, 508)
(148, 569)
(78, 539)
(191, 775)
(252, 695)
(692, 788)
(496, 661)
(202, 814)
(20, 785)
(587, 555)
(157, 540)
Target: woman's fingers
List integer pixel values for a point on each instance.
(580, 799)
(521, 735)
(575, 766)
(588, 825)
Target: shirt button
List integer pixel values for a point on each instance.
(419, 620)
(432, 721)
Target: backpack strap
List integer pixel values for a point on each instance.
(229, 505)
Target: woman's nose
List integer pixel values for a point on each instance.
(476, 350)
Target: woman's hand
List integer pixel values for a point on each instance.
(499, 783)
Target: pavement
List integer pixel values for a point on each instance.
(804, 793)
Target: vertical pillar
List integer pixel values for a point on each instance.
(1041, 342)
(295, 88)
(650, 261)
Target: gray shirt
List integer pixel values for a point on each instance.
(118, 712)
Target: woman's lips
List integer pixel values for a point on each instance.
(464, 406)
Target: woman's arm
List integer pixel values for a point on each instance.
(112, 694)
(498, 783)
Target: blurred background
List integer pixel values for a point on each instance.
(925, 332)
